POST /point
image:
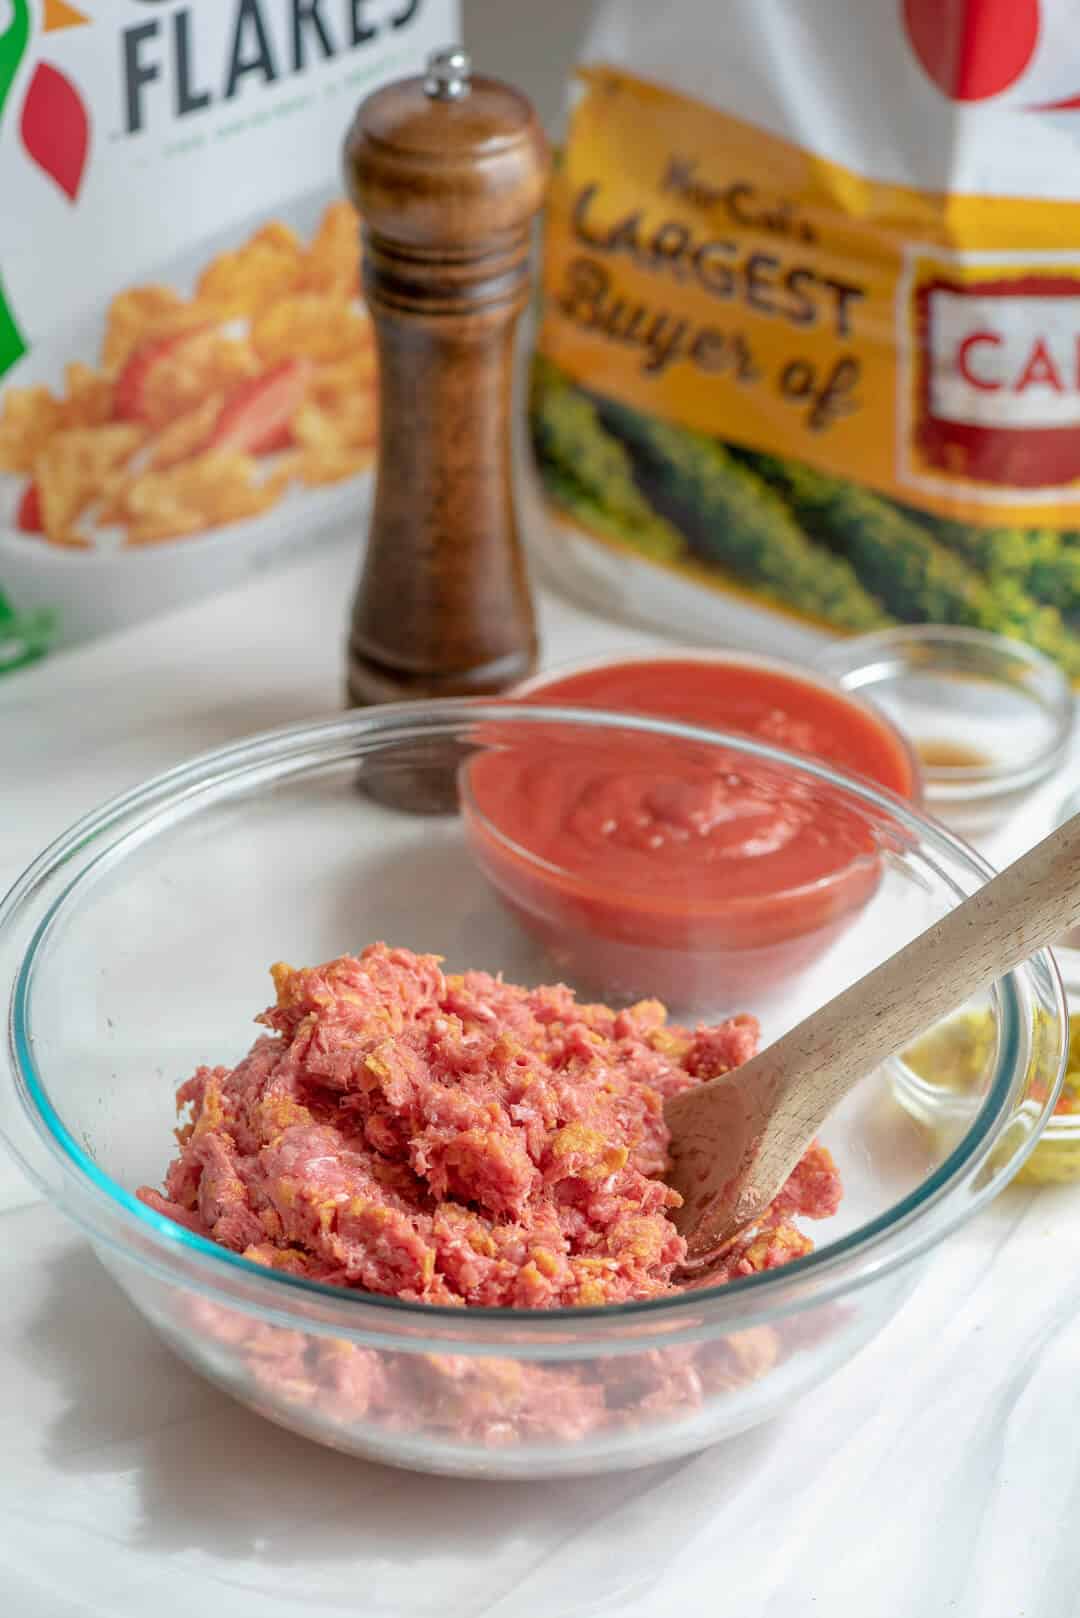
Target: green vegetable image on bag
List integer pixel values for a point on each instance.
(588, 472)
(732, 519)
(920, 579)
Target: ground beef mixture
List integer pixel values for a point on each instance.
(460, 1140)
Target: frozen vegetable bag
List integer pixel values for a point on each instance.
(187, 377)
(811, 330)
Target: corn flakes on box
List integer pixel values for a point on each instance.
(809, 357)
(187, 373)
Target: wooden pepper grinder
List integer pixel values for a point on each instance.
(448, 172)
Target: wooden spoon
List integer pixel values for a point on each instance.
(735, 1140)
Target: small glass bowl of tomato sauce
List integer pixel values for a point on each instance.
(662, 869)
(988, 717)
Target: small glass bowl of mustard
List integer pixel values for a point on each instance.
(937, 1078)
(989, 718)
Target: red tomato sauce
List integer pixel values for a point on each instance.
(758, 700)
(658, 867)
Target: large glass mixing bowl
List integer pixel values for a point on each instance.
(137, 947)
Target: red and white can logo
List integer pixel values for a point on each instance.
(998, 384)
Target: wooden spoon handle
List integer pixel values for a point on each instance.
(1025, 908)
(736, 1138)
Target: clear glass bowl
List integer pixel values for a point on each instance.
(137, 947)
(989, 718)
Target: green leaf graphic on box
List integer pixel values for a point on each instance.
(24, 636)
(12, 342)
(13, 41)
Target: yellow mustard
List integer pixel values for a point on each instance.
(954, 1057)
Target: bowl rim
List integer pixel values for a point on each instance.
(860, 655)
(114, 1217)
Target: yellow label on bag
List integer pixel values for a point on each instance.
(924, 345)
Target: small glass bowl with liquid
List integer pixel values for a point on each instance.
(989, 718)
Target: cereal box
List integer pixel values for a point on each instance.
(187, 373)
(810, 351)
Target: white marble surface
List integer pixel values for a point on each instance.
(938, 1476)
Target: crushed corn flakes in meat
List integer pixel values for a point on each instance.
(459, 1140)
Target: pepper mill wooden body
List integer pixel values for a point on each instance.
(448, 173)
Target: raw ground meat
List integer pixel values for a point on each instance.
(460, 1140)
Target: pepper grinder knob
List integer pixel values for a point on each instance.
(448, 171)
(448, 75)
